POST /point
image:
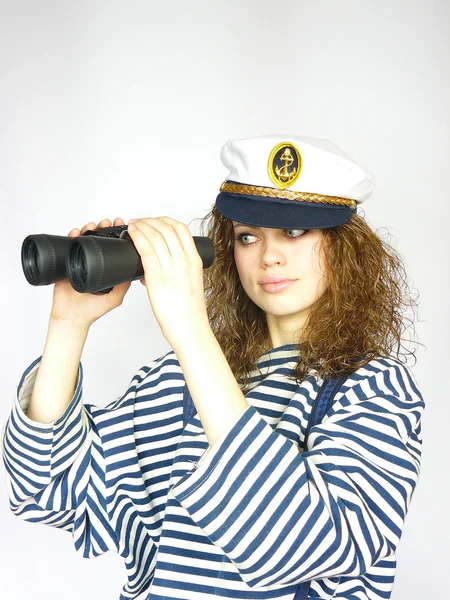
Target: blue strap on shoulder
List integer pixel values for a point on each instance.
(321, 406)
(189, 409)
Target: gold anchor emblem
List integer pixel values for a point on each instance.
(285, 163)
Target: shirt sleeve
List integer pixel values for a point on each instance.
(284, 517)
(55, 472)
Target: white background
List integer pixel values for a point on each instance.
(119, 109)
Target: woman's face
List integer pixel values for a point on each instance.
(293, 253)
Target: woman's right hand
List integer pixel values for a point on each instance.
(84, 309)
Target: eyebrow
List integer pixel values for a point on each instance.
(244, 225)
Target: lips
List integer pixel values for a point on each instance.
(278, 286)
(274, 279)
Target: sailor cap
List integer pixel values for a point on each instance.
(286, 181)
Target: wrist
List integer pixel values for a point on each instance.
(68, 325)
(194, 334)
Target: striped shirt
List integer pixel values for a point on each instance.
(249, 518)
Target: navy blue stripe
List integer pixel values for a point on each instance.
(128, 477)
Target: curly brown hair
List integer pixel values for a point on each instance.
(360, 315)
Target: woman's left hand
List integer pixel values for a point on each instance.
(173, 275)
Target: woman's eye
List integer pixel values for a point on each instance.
(246, 234)
(302, 230)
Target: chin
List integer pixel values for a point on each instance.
(286, 313)
(278, 306)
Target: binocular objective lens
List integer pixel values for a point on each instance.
(31, 263)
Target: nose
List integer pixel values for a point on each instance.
(272, 254)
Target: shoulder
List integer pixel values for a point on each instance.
(384, 375)
(384, 388)
(163, 367)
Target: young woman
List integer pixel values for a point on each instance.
(247, 499)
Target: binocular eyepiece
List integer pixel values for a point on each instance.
(94, 262)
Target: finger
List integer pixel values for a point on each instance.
(153, 258)
(108, 223)
(164, 238)
(185, 237)
(90, 226)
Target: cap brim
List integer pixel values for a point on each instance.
(280, 213)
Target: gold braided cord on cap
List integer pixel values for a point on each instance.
(253, 190)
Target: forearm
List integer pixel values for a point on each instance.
(57, 374)
(215, 392)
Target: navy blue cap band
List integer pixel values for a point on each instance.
(280, 213)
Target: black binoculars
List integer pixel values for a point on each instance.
(93, 262)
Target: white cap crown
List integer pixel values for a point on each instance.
(302, 164)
